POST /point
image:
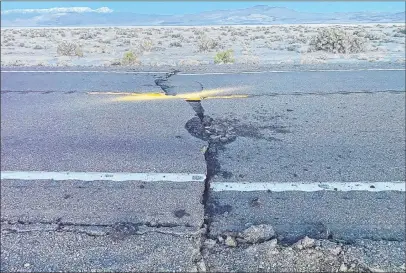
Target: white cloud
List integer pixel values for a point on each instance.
(59, 10)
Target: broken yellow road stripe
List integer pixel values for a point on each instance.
(196, 96)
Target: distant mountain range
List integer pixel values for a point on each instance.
(257, 15)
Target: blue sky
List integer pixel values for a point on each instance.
(170, 7)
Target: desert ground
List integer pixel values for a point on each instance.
(203, 45)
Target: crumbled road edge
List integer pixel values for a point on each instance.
(229, 254)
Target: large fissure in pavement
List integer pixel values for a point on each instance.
(217, 136)
(163, 83)
(203, 127)
(216, 133)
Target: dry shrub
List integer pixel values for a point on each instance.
(224, 57)
(129, 58)
(336, 40)
(87, 36)
(175, 44)
(367, 35)
(146, 45)
(122, 32)
(206, 44)
(400, 32)
(69, 49)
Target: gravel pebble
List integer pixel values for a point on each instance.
(304, 243)
(259, 233)
(230, 241)
(220, 239)
(343, 268)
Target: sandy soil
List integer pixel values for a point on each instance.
(173, 46)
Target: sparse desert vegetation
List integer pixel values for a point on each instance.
(335, 40)
(69, 49)
(175, 44)
(224, 57)
(251, 45)
(146, 45)
(129, 58)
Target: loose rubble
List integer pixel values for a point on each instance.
(256, 234)
(230, 241)
(306, 242)
(256, 249)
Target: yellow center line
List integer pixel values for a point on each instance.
(206, 94)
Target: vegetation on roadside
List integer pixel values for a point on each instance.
(224, 57)
(402, 31)
(69, 49)
(206, 44)
(336, 40)
(129, 58)
(175, 44)
(146, 45)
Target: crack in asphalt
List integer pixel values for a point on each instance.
(163, 83)
(118, 229)
(217, 136)
(216, 132)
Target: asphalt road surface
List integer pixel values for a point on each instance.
(119, 158)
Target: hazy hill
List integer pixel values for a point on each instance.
(249, 16)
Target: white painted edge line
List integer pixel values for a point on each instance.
(84, 71)
(290, 71)
(200, 74)
(92, 176)
(308, 186)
